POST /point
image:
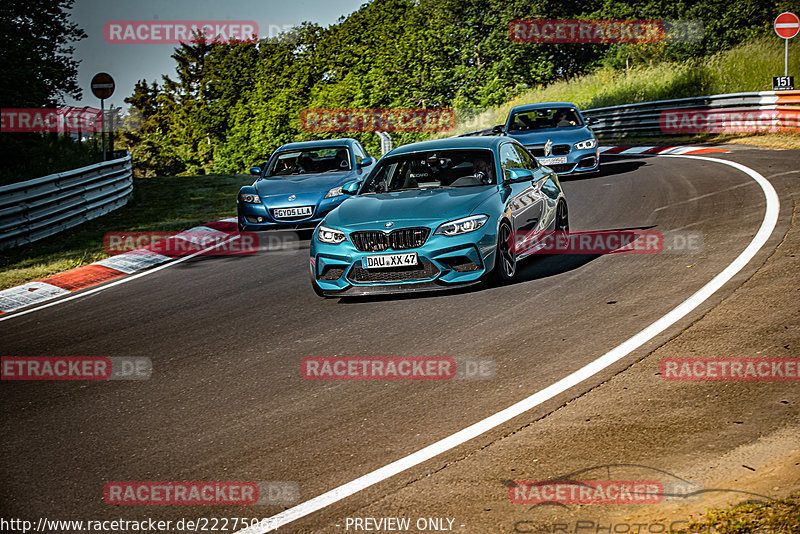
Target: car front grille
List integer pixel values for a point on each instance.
(555, 150)
(400, 239)
(397, 274)
(560, 150)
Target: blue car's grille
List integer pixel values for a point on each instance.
(400, 274)
(400, 239)
(556, 150)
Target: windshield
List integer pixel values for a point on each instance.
(538, 119)
(432, 170)
(310, 161)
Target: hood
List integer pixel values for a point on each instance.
(304, 183)
(414, 207)
(558, 136)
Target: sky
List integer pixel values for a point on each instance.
(128, 63)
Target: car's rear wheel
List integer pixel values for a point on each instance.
(505, 263)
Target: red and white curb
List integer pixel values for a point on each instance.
(101, 271)
(659, 150)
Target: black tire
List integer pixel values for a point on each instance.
(505, 261)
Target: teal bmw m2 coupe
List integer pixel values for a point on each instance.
(437, 215)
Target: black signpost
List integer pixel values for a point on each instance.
(103, 88)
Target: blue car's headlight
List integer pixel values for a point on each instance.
(330, 236)
(250, 198)
(583, 145)
(462, 226)
(335, 192)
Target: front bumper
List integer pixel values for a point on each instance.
(578, 162)
(443, 263)
(258, 217)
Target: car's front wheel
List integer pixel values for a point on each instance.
(505, 262)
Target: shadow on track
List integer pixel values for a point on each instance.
(608, 168)
(534, 267)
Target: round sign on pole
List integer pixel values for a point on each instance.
(787, 25)
(103, 85)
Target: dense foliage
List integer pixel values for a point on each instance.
(38, 70)
(230, 105)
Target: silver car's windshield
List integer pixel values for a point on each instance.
(310, 161)
(539, 119)
(432, 170)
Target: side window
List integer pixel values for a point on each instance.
(528, 160)
(359, 152)
(510, 159)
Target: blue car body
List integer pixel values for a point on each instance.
(523, 198)
(567, 147)
(295, 199)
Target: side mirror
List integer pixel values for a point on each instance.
(351, 188)
(518, 175)
(256, 171)
(592, 120)
(498, 130)
(366, 162)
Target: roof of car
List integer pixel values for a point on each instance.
(452, 142)
(319, 143)
(541, 105)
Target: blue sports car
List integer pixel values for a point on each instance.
(436, 215)
(300, 184)
(557, 134)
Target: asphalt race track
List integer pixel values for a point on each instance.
(226, 400)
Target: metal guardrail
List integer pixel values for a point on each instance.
(39, 208)
(645, 119)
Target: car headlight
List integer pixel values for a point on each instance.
(462, 226)
(250, 198)
(330, 236)
(583, 145)
(335, 192)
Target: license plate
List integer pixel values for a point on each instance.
(381, 261)
(553, 161)
(283, 213)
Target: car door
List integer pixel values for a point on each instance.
(546, 187)
(525, 204)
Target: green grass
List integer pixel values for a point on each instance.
(748, 67)
(158, 204)
(773, 517)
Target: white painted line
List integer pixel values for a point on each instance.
(636, 150)
(585, 372)
(27, 294)
(135, 260)
(232, 219)
(112, 284)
